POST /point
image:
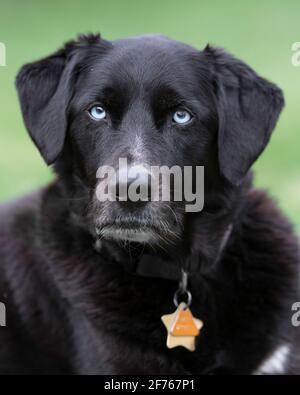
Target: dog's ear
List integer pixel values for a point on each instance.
(248, 108)
(45, 88)
(44, 91)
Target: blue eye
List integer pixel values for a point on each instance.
(97, 113)
(182, 117)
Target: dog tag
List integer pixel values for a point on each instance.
(182, 328)
(184, 324)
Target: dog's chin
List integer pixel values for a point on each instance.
(134, 235)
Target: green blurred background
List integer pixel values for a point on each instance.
(260, 32)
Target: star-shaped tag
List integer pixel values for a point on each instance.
(182, 328)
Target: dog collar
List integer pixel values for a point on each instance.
(148, 265)
(182, 327)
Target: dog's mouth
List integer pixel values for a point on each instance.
(136, 232)
(137, 235)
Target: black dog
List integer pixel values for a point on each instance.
(85, 283)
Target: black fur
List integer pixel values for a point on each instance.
(72, 309)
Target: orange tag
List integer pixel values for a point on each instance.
(182, 328)
(184, 324)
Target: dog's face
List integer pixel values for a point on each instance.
(155, 102)
(127, 104)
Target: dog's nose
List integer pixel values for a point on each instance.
(133, 185)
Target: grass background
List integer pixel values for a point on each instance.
(261, 32)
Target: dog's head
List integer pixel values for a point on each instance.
(154, 102)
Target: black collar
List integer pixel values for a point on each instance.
(148, 265)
